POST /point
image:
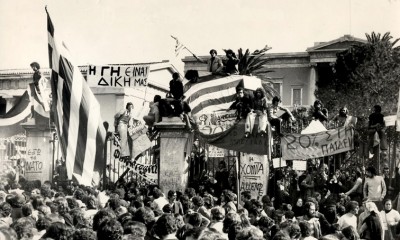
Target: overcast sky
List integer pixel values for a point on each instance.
(101, 32)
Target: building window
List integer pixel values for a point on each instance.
(3, 106)
(22, 84)
(7, 84)
(297, 96)
(277, 86)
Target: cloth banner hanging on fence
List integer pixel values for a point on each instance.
(304, 146)
(118, 76)
(254, 172)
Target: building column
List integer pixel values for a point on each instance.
(39, 151)
(175, 148)
(312, 83)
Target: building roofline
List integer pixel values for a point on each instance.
(267, 55)
(345, 38)
(83, 68)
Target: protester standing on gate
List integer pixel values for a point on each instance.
(123, 120)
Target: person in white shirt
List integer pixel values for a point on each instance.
(374, 187)
(159, 198)
(350, 218)
(390, 219)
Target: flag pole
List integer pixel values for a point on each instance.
(184, 47)
(106, 126)
(238, 179)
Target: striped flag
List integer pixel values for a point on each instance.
(217, 93)
(178, 46)
(76, 114)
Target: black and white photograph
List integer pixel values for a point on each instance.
(209, 120)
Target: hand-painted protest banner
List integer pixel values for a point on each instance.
(140, 144)
(214, 151)
(119, 76)
(304, 146)
(254, 170)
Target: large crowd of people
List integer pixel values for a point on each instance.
(316, 204)
(315, 209)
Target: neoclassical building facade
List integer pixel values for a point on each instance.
(295, 74)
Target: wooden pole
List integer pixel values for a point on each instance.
(238, 179)
(393, 161)
(105, 124)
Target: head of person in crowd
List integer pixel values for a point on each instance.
(350, 233)
(58, 230)
(230, 54)
(330, 211)
(135, 229)
(227, 196)
(24, 228)
(197, 202)
(175, 76)
(192, 234)
(26, 210)
(317, 105)
(356, 174)
(210, 234)
(352, 207)
(292, 229)
(305, 229)
(84, 234)
(254, 215)
(165, 225)
(250, 233)
(340, 210)
(145, 215)
(371, 172)
(35, 66)
(387, 203)
(377, 109)
(190, 192)
(343, 112)
(259, 93)
(264, 224)
(43, 223)
(240, 92)
(217, 214)
(230, 219)
(101, 216)
(310, 209)
(276, 101)
(35, 192)
(194, 220)
(242, 211)
(18, 201)
(278, 216)
(245, 196)
(5, 210)
(110, 229)
(171, 195)
(213, 53)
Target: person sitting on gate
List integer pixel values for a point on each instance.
(376, 129)
(260, 109)
(276, 114)
(230, 64)
(344, 119)
(320, 113)
(154, 113)
(181, 108)
(242, 104)
(123, 121)
(214, 65)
